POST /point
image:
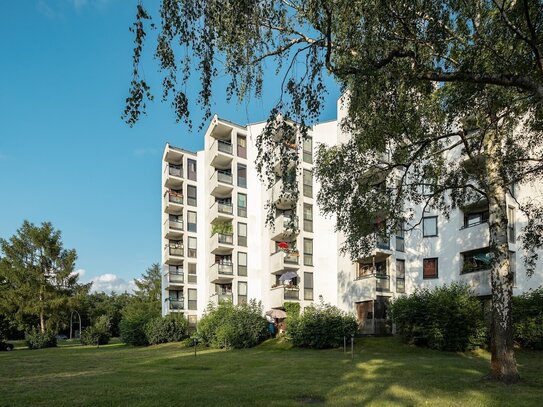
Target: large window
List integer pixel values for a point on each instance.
(511, 224)
(400, 240)
(242, 175)
(400, 276)
(308, 150)
(429, 226)
(242, 234)
(308, 217)
(308, 286)
(191, 224)
(308, 183)
(308, 252)
(242, 264)
(429, 268)
(192, 303)
(192, 278)
(242, 205)
(192, 247)
(191, 169)
(191, 195)
(242, 146)
(476, 260)
(242, 292)
(476, 216)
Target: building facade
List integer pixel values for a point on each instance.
(216, 246)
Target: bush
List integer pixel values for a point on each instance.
(319, 327)
(240, 326)
(528, 319)
(171, 328)
(35, 339)
(444, 318)
(136, 316)
(98, 334)
(292, 309)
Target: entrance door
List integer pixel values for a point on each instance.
(364, 314)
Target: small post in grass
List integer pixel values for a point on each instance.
(352, 346)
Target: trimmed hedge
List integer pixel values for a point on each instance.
(236, 326)
(35, 339)
(528, 319)
(171, 328)
(443, 318)
(319, 327)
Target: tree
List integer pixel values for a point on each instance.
(37, 275)
(149, 286)
(439, 87)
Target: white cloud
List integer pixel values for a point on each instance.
(80, 273)
(110, 282)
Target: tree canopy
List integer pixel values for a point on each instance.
(436, 94)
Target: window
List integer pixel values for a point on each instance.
(427, 188)
(475, 216)
(511, 224)
(192, 278)
(308, 252)
(191, 195)
(192, 247)
(176, 222)
(191, 224)
(476, 260)
(191, 170)
(242, 175)
(242, 146)
(400, 241)
(308, 150)
(192, 303)
(308, 184)
(242, 292)
(308, 217)
(242, 234)
(400, 276)
(513, 266)
(429, 268)
(429, 226)
(242, 264)
(242, 205)
(308, 286)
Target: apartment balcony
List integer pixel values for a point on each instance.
(173, 155)
(173, 203)
(221, 212)
(220, 154)
(221, 273)
(173, 229)
(282, 293)
(279, 262)
(473, 237)
(174, 255)
(221, 184)
(286, 229)
(221, 298)
(176, 304)
(176, 280)
(368, 286)
(222, 243)
(478, 281)
(174, 176)
(283, 200)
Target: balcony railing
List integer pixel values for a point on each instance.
(175, 170)
(175, 198)
(176, 250)
(224, 297)
(225, 208)
(291, 259)
(224, 146)
(224, 176)
(176, 304)
(225, 268)
(175, 224)
(225, 238)
(176, 277)
(291, 293)
(382, 282)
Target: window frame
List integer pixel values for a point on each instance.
(242, 240)
(189, 223)
(193, 302)
(433, 277)
(308, 255)
(424, 226)
(242, 299)
(192, 201)
(398, 278)
(193, 250)
(307, 187)
(308, 221)
(242, 210)
(307, 288)
(240, 266)
(244, 183)
(190, 162)
(307, 155)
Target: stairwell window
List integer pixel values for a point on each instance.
(308, 286)
(308, 150)
(429, 226)
(400, 241)
(308, 252)
(191, 195)
(242, 205)
(192, 277)
(242, 264)
(308, 183)
(242, 234)
(511, 224)
(242, 146)
(308, 217)
(191, 221)
(429, 268)
(242, 292)
(400, 276)
(242, 176)
(192, 247)
(191, 170)
(192, 299)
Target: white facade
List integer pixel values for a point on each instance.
(204, 261)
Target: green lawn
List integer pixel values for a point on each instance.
(384, 372)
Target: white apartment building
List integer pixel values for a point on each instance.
(216, 246)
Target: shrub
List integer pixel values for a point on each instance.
(444, 318)
(240, 326)
(136, 315)
(171, 328)
(292, 309)
(98, 334)
(35, 339)
(528, 319)
(319, 327)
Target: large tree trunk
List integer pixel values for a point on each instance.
(503, 364)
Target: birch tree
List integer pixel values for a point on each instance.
(425, 81)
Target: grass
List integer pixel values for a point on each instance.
(384, 372)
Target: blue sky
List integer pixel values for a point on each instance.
(65, 154)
